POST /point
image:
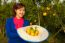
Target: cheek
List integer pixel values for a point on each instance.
(21, 14)
(17, 12)
(24, 12)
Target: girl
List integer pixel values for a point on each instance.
(12, 24)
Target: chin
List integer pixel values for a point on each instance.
(21, 16)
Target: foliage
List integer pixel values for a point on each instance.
(51, 17)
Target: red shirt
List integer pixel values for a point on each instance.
(18, 22)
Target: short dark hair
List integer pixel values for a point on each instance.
(17, 6)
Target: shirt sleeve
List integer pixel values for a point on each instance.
(26, 23)
(9, 32)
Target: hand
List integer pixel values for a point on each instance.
(30, 23)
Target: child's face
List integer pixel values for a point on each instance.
(20, 12)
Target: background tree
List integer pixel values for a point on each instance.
(49, 13)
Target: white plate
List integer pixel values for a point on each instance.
(43, 34)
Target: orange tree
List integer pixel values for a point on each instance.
(48, 13)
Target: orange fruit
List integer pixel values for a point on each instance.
(44, 14)
(36, 33)
(48, 8)
(54, 14)
(32, 33)
(28, 30)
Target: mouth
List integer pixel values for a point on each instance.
(20, 13)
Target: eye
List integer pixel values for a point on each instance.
(23, 10)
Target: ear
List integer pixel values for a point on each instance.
(15, 10)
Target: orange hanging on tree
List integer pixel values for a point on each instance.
(44, 14)
(48, 8)
(54, 14)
